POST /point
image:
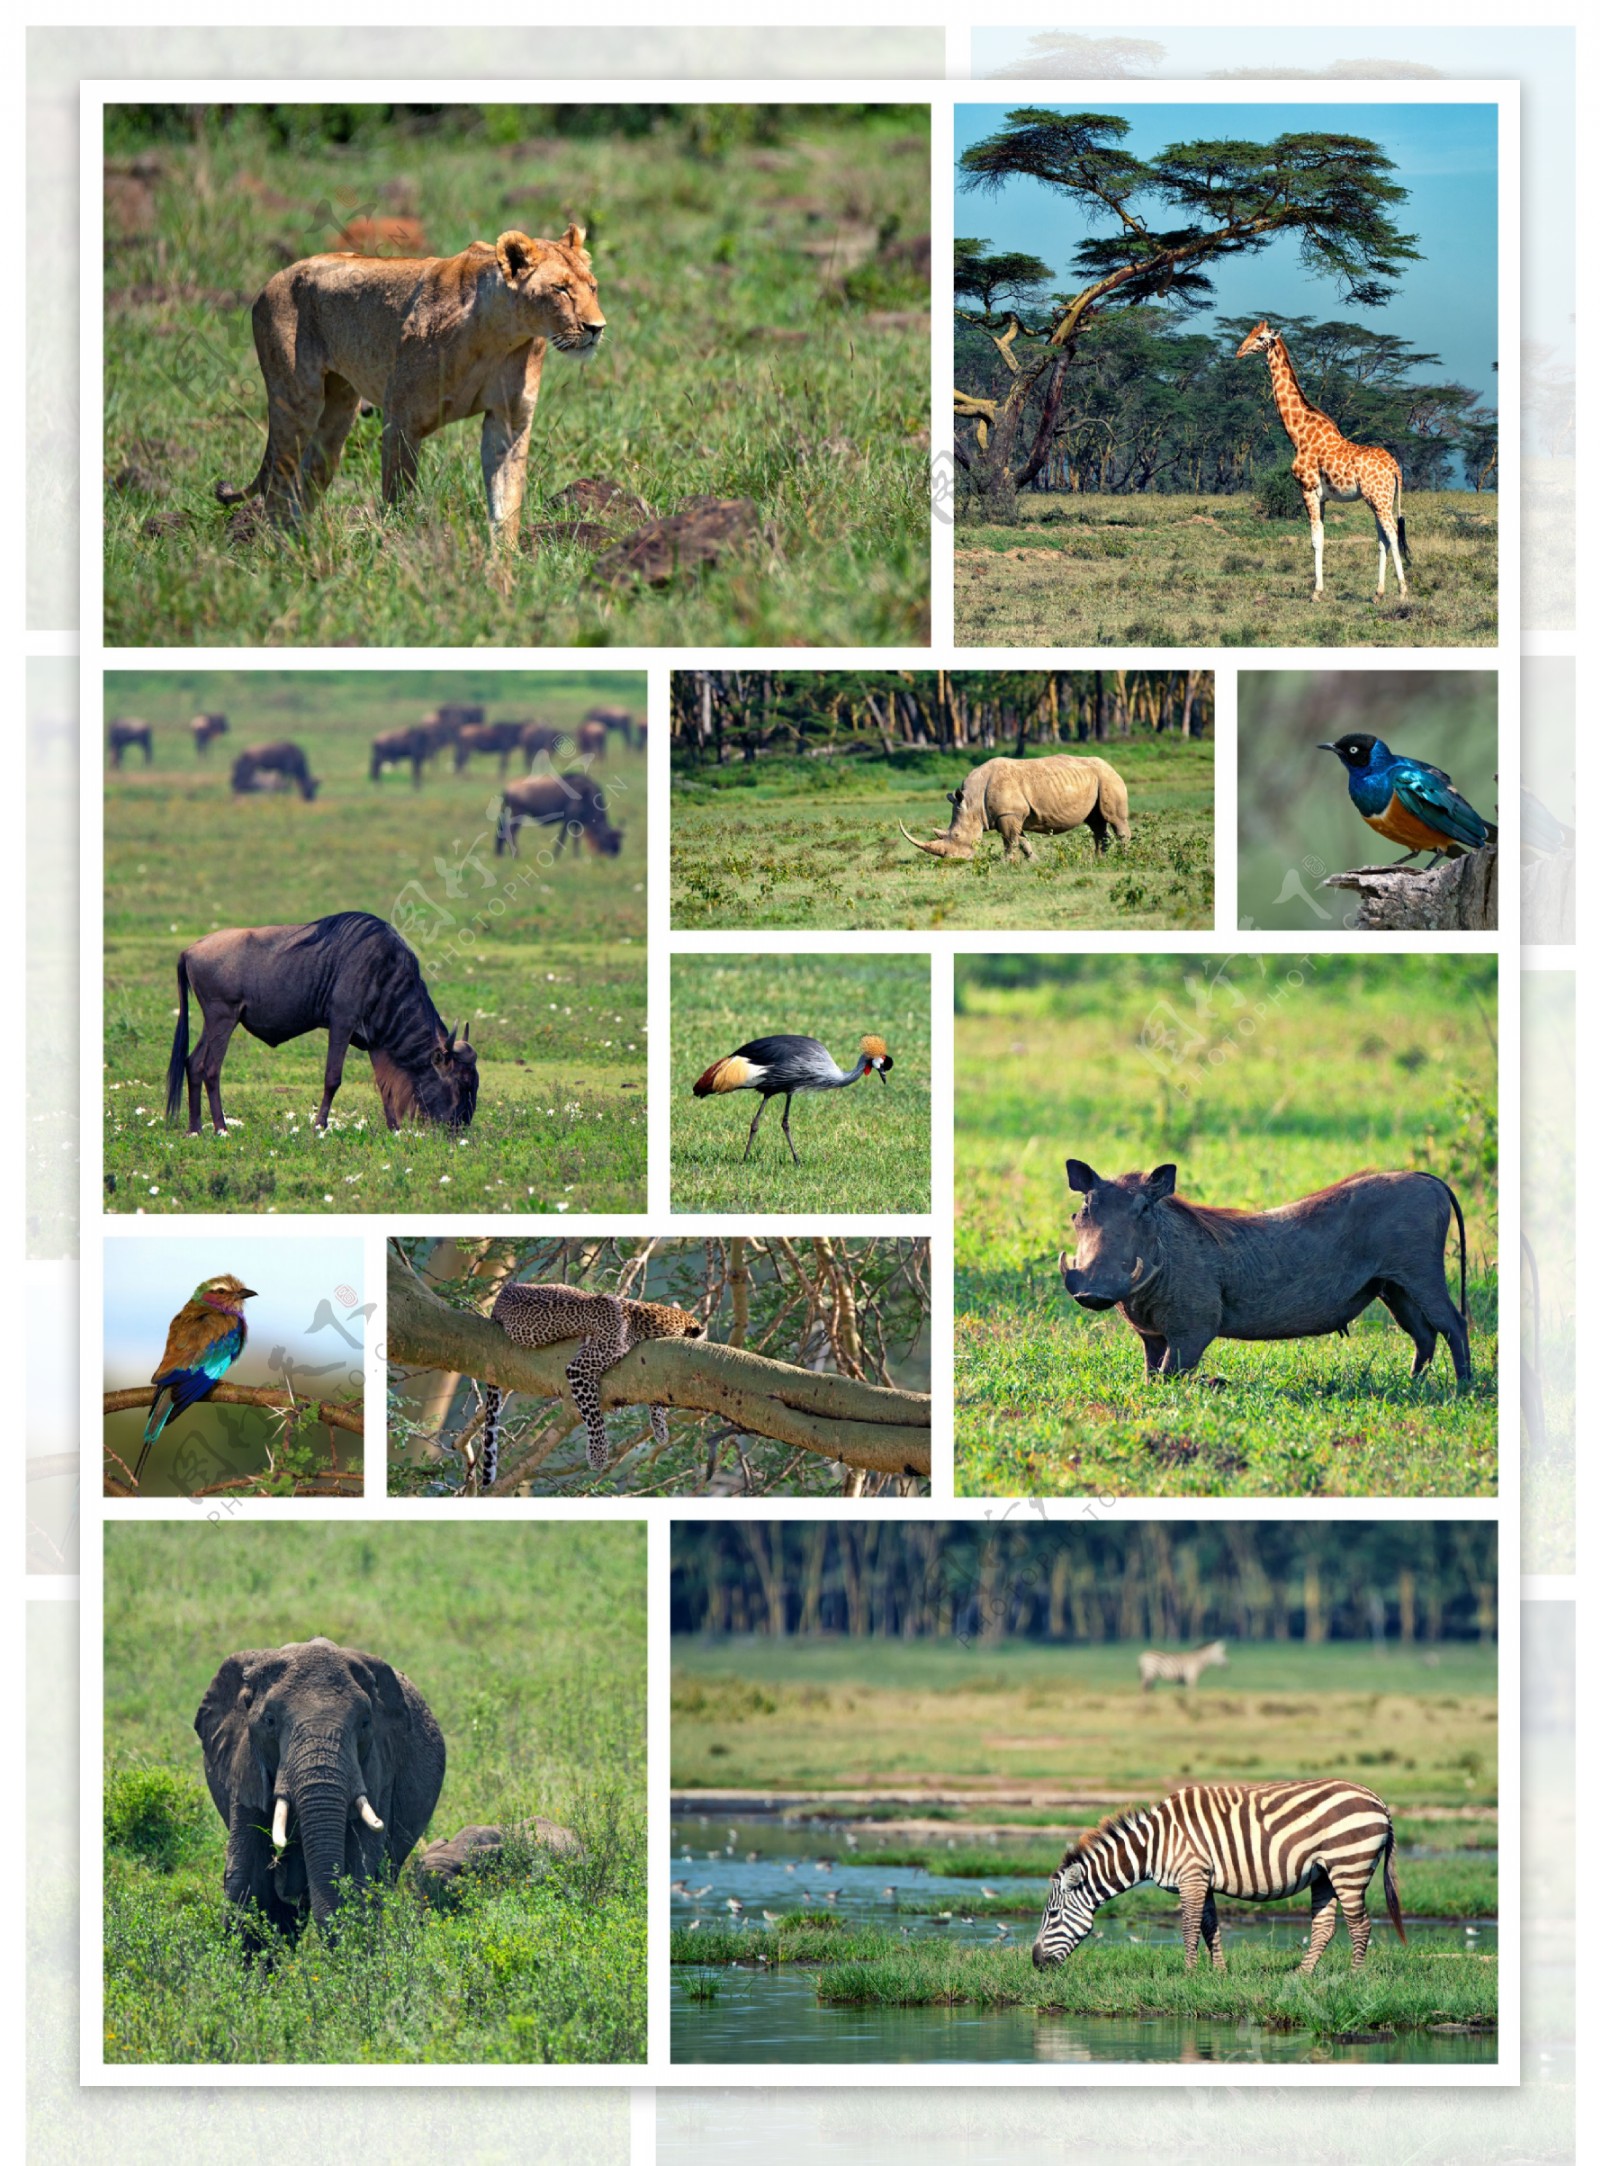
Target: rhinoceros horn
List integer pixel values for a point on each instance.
(941, 846)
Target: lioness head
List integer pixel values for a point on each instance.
(554, 286)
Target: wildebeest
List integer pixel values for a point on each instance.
(204, 727)
(591, 740)
(350, 975)
(125, 733)
(619, 719)
(1183, 1274)
(498, 739)
(275, 766)
(392, 748)
(1050, 796)
(451, 717)
(540, 737)
(571, 803)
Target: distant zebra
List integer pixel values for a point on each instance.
(1159, 1669)
(1257, 1842)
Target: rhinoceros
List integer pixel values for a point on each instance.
(1049, 796)
(1183, 1274)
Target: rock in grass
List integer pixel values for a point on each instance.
(703, 532)
(597, 498)
(162, 523)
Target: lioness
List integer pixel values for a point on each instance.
(427, 340)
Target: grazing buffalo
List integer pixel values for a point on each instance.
(451, 717)
(542, 737)
(619, 719)
(393, 748)
(498, 739)
(124, 733)
(1050, 796)
(204, 727)
(280, 765)
(1183, 1274)
(572, 803)
(350, 975)
(591, 740)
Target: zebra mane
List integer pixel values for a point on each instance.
(1112, 1824)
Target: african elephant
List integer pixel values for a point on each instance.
(322, 1761)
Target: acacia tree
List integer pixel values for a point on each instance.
(1227, 198)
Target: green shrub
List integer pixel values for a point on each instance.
(154, 1815)
(1279, 494)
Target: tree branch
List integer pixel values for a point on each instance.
(865, 1425)
(1462, 895)
(332, 1413)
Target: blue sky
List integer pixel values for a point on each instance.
(148, 1281)
(1444, 154)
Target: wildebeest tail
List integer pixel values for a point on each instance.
(178, 1065)
(1391, 1894)
(1461, 1231)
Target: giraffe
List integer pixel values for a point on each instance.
(1327, 464)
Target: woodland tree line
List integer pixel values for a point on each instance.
(720, 715)
(1245, 1580)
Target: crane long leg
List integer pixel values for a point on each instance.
(754, 1125)
(787, 1103)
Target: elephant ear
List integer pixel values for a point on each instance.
(234, 1774)
(383, 1683)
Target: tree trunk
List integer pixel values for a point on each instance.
(1461, 895)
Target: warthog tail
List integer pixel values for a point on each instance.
(1391, 1894)
(178, 1065)
(1461, 1231)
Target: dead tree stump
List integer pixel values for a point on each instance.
(1460, 896)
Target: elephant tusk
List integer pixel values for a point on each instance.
(280, 1824)
(367, 1813)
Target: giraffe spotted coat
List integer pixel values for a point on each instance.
(608, 1328)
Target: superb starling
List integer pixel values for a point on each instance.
(206, 1338)
(1408, 801)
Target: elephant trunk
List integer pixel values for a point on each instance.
(322, 1781)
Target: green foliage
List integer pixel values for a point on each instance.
(544, 956)
(865, 1149)
(1264, 1081)
(1278, 497)
(816, 844)
(528, 1643)
(735, 365)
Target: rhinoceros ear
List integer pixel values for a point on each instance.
(1161, 1182)
(1081, 1177)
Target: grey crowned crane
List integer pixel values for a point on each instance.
(779, 1067)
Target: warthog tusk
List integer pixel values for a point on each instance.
(367, 1813)
(280, 1824)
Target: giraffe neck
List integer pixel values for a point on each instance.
(1294, 408)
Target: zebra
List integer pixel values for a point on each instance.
(1254, 1841)
(1159, 1669)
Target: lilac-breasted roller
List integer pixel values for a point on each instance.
(204, 1341)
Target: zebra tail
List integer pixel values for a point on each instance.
(1391, 1894)
(489, 1442)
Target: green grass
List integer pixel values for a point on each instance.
(876, 1716)
(1203, 571)
(749, 354)
(546, 960)
(528, 1643)
(1261, 1089)
(864, 1149)
(814, 844)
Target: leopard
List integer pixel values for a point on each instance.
(608, 1326)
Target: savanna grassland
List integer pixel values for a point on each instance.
(799, 843)
(1263, 1081)
(1212, 571)
(861, 1149)
(764, 277)
(544, 957)
(528, 1643)
(904, 1742)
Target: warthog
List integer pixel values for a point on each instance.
(124, 734)
(350, 975)
(275, 766)
(204, 727)
(1184, 1273)
(1049, 797)
(498, 739)
(571, 804)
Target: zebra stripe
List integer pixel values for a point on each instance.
(1159, 1669)
(1257, 1842)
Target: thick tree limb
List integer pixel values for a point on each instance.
(1461, 896)
(865, 1425)
(332, 1413)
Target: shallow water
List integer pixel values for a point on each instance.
(774, 2015)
